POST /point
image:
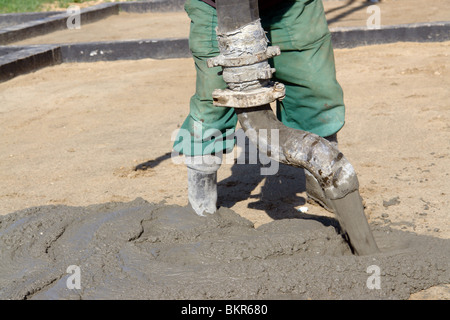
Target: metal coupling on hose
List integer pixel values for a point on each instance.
(244, 55)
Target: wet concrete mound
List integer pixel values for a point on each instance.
(140, 250)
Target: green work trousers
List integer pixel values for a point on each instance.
(314, 99)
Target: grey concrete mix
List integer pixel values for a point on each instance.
(139, 250)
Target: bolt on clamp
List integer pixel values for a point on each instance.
(243, 56)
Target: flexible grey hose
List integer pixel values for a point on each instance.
(294, 147)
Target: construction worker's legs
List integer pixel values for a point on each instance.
(313, 99)
(207, 129)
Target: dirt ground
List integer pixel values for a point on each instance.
(80, 134)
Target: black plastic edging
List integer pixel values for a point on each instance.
(126, 50)
(18, 60)
(11, 19)
(152, 6)
(24, 60)
(350, 37)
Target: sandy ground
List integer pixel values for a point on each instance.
(80, 134)
(127, 26)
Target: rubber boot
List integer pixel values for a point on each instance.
(202, 183)
(314, 192)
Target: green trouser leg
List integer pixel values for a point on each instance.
(306, 66)
(314, 99)
(207, 129)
